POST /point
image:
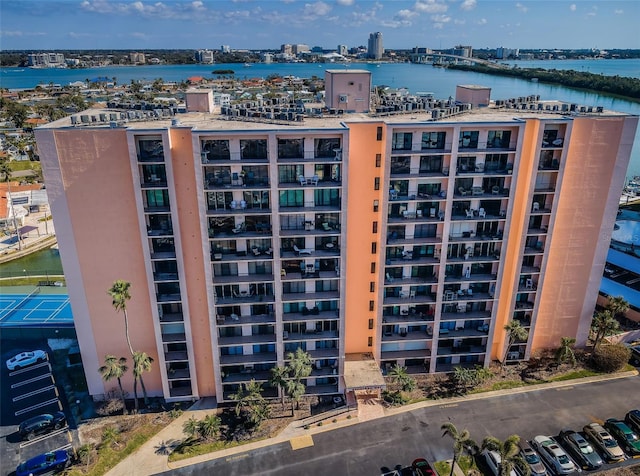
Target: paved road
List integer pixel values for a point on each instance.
(369, 448)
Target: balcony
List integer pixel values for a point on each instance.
(410, 297)
(265, 357)
(407, 336)
(462, 349)
(178, 374)
(310, 296)
(165, 298)
(171, 317)
(244, 278)
(475, 277)
(405, 354)
(417, 280)
(245, 298)
(174, 337)
(244, 340)
(181, 391)
(246, 376)
(324, 353)
(311, 335)
(175, 356)
(235, 320)
(407, 317)
(304, 316)
(465, 316)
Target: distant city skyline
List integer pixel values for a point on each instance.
(247, 24)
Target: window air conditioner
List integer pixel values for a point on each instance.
(343, 98)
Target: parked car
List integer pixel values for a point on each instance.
(580, 450)
(605, 442)
(635, 355)
(494, 460)
(632, 419)
(421, 467)
(24, 359)
(41, 424)
(553, 455)
(627, 439)
(44, 463)
(532, 458)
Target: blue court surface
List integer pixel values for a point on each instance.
(35, 309)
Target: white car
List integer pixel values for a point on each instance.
(553, 455)
(24, 359)
(493, 462)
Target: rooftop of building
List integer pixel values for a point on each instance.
(258, 115)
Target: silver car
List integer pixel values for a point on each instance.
(601, 438)
(24, 359)
(533, 459)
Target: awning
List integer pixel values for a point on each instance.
(26, 229)
(361, 372)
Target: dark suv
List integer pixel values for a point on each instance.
(41, 424)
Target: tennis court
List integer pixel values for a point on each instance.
(35, 309)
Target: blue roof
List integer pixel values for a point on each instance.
(623, 260)
(611, 288)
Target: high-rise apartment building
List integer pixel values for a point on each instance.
(375, 49)
(204, 56)
(362, 239)
(45, 60)
(342, 50)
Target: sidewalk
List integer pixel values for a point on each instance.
(41, 237)
(147, 461)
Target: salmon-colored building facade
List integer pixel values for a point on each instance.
(401, 239)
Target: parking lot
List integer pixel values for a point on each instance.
(28, 392)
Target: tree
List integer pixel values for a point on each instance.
(461, 440)
(509, 452)
(464, 378)
(618, 306)
(603, 324)
(191, 427)
(300, 366)
(119, 293)
(401, 377)
(515, 333)
(141, 363)
(279, 378)
(209, 427)
(115, 367)
(249, 400)
(565, 352)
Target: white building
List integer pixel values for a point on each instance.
(375, 48)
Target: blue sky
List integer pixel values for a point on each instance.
(255, 24)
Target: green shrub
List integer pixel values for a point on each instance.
(395, 397)
(610, 358)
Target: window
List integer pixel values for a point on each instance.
(374, 248)
(326, 148)
(372, 287)
(498, 139)
(291, 198)
(370, 323)
(376, 183)
(433, 140)
(375, 227)
(376, 205)
(379, 133)
(372, 305)
(253, 148)
(373, 268)
(157, 198)
(289, 173)
(378, 159)
(290, 148)
(401, 140)
(216, 149)
(370, 341)
(468, 139)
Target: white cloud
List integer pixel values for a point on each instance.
(430, 6)
(459, 21)
(345, 3)
(573, 7)
(441, 18)
(468, 5)
(401, 19)
(73, 34)
(591, 14)
(521, 7)
(21, 33)
(317, 9)
(482, 21)
(618, 12)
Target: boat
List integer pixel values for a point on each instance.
(247, 65)
(633, 186)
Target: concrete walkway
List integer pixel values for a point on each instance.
(147, 460)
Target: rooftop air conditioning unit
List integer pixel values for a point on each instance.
(342, 98)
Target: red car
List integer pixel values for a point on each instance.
(422, 467)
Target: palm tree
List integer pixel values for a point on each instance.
(515, 333)
(617, 305)
(299, 368)
(115, 367)
(509, 452)
(191, 427)
(209, 427)
(141, 363)
(6, 172)
(250, 400)
(279, 380)
(565, 352)
(119, 293)
(400, 376)
(603, 324)
(461, 440)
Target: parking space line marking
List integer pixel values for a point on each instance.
(31, 367)
(65, 447)
(35, 392)
(449, 405)
(561, 389)
(39, 405)
(301, 442)
(31, 380)
(44, 437)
